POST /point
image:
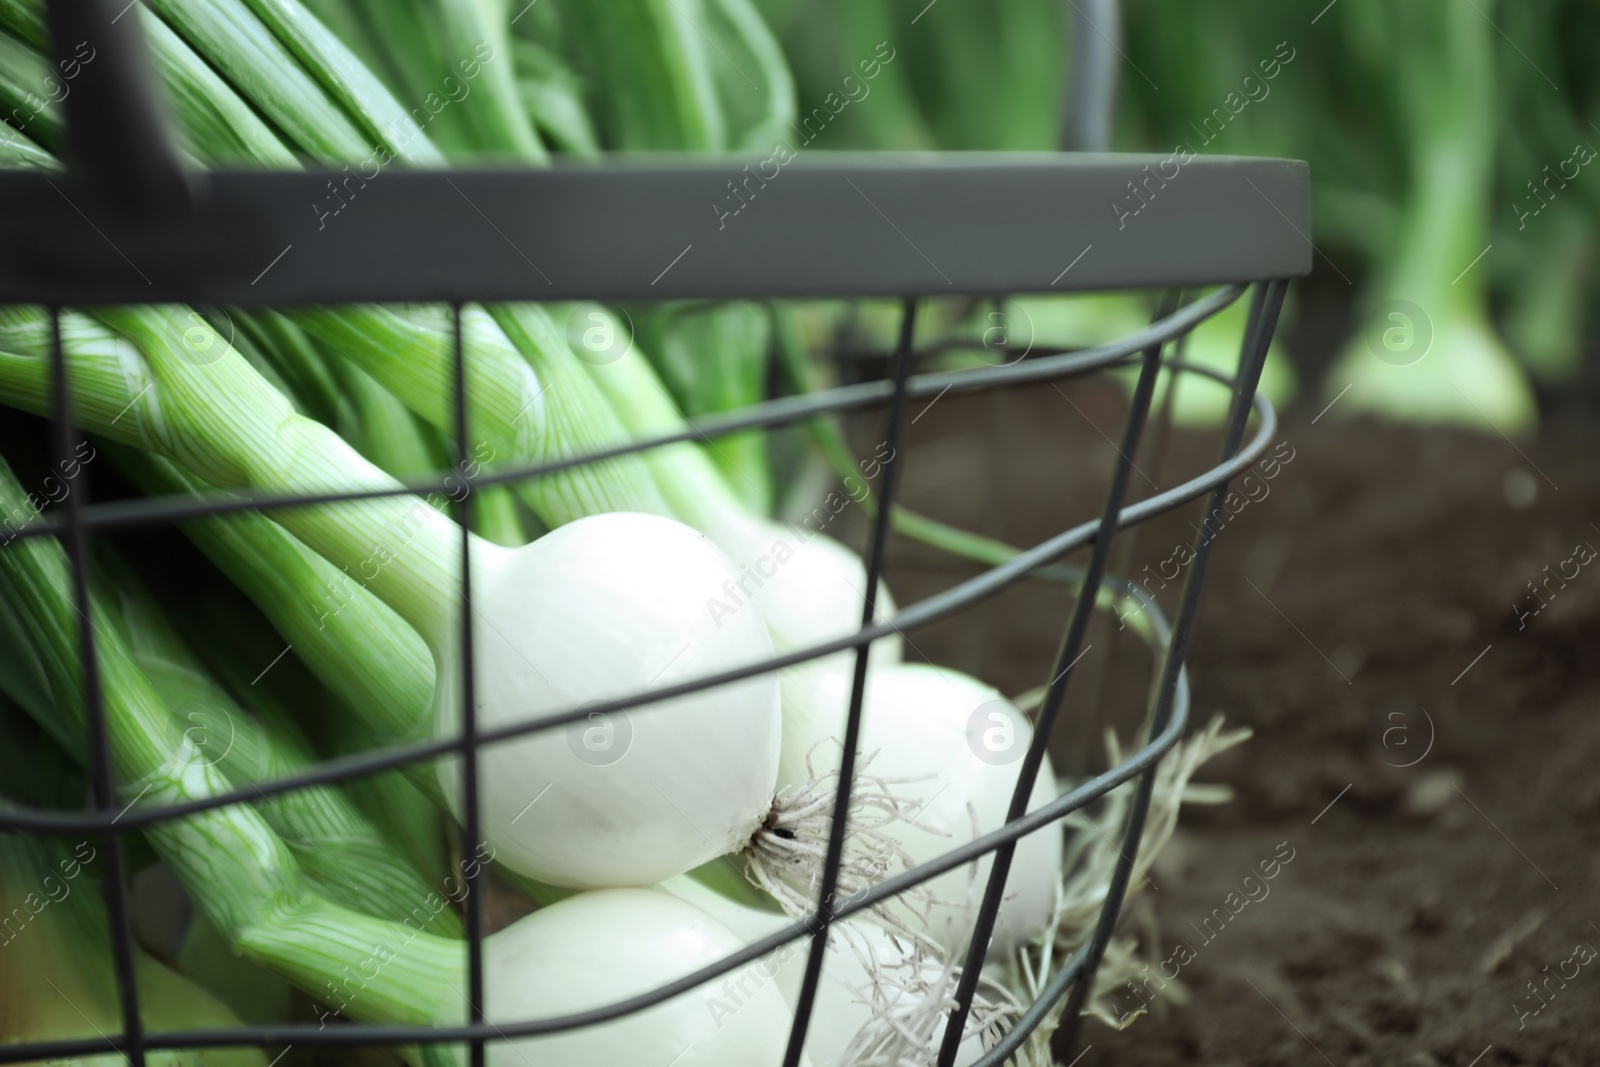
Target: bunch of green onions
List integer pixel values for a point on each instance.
(588, 584)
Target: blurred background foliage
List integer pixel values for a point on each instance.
(1435, 129)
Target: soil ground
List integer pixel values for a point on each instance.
(1425, 742)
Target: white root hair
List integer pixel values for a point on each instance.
(910, 996)
(786, 856)
(911, 993)
(910, 999)
(1090, 860)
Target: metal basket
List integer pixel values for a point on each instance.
(902, 226)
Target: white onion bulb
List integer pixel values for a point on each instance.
(601, 947)
(600, 608)
(851, 1001)
(949, 747)
(809, 587)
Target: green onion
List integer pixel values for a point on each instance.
(209, 111)
(25, 77)
(1428, 296)
(346, 78)
(452, 63)
(555, 616)
(518, 367)
(714, 359)
(563, 958)
(247, 53)
(657, 46)
(16, 151)
(553, 96)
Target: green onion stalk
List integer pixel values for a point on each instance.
(1548, 298)
(395, 438)
(300, 76)
(226, 423)
(1428, 351)
(239, 871)
(366, 655)
(19, 153)
(348, 400)
(648, 42)
(379, 673)
(237, 645)
(552, 93)
(673, 76)
(342, 854)
(406, 349)
(826, 42)
(713, 359)
(1545, 224)
(519, 358)
(56, 978)
(211, 112)
(657, 87)
(989, 77)
(432, 48)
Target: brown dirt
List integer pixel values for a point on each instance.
(1340, 618)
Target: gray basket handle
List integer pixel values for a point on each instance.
(1089, 112)
(118, 138)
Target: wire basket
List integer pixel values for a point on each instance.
(900, 226)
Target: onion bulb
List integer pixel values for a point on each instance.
(877, 994)
(946, 748)
(600, 947)
(809, 587)
(600, 608)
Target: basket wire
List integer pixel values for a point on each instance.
(1167, 718)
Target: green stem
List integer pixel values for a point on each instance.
(245, 51)
(714, 359)
(201, 405)
(647, 66)
(528, 401)
(373, 420)
(25, 80)
(772, 120)
(694, 488)
(356, 646)
(220, 126)
(236, 868)
(553, 98)
(225, 423)
(348, 80)
(341, 853)
(56, 979)
(19, 153)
